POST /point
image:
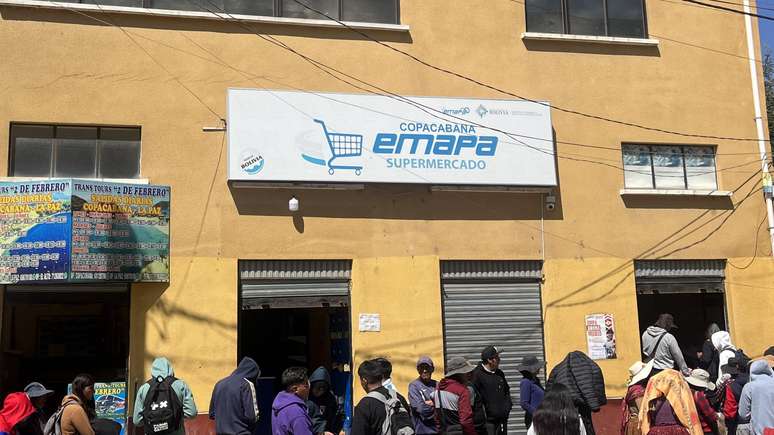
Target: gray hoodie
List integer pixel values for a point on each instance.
(668, 355)
(757, 401)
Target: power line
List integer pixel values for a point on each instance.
(512, 94)
(723, 8)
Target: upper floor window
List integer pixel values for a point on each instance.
(70, 151)
(669, 167)
(369, 11)
(621, 18)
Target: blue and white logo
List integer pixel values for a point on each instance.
(481, 110)
(251, 162)
(343, 146)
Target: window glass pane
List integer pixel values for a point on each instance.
(637, 168)
(76, 152)
(119, 158)
(668, 167)
(132, 3)
(370, 11)
(625, 18)
(587, 17)
(185, 5)
(243, 7)
(544, 16)
(700, 168)
(31, 153)
(291, 8)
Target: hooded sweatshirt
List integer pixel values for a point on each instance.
(234, 404)
(16, 408)
(327, 403)
(757, 402)
(160, 369)
(289, 415)
(668, 353)
(722, 342)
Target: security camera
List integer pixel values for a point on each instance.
(293, 204)
(550, 202)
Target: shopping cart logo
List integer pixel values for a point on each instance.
(343, 146)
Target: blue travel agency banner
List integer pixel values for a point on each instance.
(78, 231)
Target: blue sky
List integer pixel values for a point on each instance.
(767, 30)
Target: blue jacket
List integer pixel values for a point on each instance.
(289, 415)
(234, 405)
(530, 395)
(422, 413)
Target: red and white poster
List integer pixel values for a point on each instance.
(600, 335)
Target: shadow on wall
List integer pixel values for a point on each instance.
(591, 48)
(225, 25)
(408, 202)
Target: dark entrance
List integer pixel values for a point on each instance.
(52, 333)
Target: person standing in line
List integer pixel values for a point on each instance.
(740, 376)
(584, 378)
(371, 413)
(757, 402)
(658, 341)
(668, 407)
(324, 401)
(632, 402)
(454, 410)
(161, 371)
(16, 409)
(234, 403)
(289, 415)
(79, 407)
(34, 424)
(530, 389)
(709, 360)
(700, 383)
(557, 414)
(721, 340)
(495, 392)
(421, 393)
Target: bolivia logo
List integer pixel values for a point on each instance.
(251, 163)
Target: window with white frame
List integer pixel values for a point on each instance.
(72, 151)
(368, 11)
(669, 167)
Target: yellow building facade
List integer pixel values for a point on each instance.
(685, 83)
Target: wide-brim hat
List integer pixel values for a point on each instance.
(640, 371)
(530, 364)
(700, 378)
(36, 389)
(458, 365)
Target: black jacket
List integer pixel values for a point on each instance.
(584, 379)
(710, 359)
(495, 393)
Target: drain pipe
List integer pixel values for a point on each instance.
(758, 115)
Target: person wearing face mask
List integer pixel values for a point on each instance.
(421, 393)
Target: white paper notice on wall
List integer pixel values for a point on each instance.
(370, 322)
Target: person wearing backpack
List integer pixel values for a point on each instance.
(453, 404)
(163, 388)
(382, 411)
(78, 408)
(234, 403)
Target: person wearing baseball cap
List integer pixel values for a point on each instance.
(495, 392)
(38, 395)
(421, 393)
(453, 403)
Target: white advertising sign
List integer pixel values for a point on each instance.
(330, 138)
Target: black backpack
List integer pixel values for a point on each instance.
(162, 412)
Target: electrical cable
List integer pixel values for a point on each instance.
(515, 95)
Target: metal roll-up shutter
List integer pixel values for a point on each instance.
(680, 276)
(504, 311)
(294, 283)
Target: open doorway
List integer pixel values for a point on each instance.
(52, 333)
